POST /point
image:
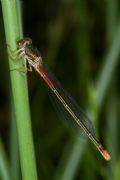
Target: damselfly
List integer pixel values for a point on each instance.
(32, 58)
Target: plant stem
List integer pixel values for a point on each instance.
(20, 94)
(108, 68)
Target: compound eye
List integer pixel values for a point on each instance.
(19, 43)
(28, 40)
(23, 42)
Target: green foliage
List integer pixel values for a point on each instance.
(80, 42)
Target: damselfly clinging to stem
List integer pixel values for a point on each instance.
(32, 58)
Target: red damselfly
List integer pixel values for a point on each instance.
(32, 58)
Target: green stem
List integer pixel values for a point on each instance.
(111, 20)
(70, 159)
(20, 94)
(14, 154)
(108, 69)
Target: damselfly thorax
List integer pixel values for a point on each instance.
(29, 53)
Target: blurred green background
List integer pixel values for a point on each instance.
(80, 42)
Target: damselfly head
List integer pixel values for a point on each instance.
(23, 42)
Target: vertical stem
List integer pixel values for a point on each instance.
(111, 21)
(108, 68)
(20, 94)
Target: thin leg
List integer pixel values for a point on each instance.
(29, 68)
(24, 69)
(15, 55)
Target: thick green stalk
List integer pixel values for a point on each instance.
(14, 153)
(20, 94)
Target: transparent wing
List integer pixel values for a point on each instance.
(71, 103)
